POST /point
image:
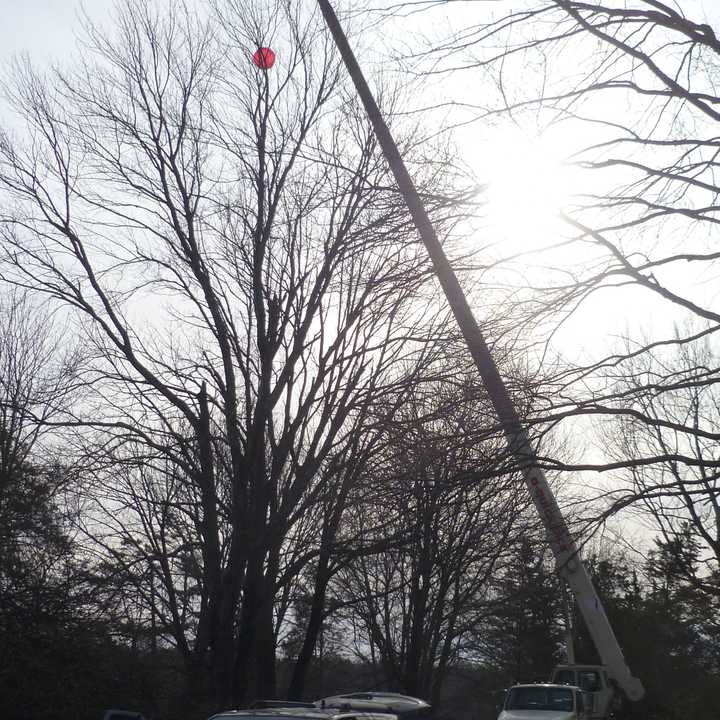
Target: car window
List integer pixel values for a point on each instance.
(589, 680)
(561, 701)
(565, 677)
(539, 698)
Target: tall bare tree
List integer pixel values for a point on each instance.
(244, 283)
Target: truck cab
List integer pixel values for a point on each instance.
(544, 701)
(593, 680)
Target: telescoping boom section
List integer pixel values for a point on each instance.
(561, 542)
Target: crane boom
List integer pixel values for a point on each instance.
(564, 548)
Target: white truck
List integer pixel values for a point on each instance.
(575, 692)
(544, 701)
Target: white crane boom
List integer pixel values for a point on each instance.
(567, 555)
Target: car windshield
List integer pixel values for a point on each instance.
(539, 698)
(565, 677)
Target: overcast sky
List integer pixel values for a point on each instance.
(45, 27)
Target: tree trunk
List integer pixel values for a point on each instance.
(312, 631)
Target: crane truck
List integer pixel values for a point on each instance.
(564, 548)
(574, 692)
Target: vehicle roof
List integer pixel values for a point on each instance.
(559, 686)
(277, 712)
(315, 713)
(375, 694)
(373, 702)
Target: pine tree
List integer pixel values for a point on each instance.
(525, 635)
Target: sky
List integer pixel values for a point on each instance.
(44, 28)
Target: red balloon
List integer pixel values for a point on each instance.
(264, 58)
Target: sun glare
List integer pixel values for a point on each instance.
(527, 187)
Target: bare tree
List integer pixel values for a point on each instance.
(444, 484)
(42, 599)
(36, 377)
(36, 386)
(681, 499)
(244, 283)
(633, 88)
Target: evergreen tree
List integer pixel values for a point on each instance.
(667, 627)
(524, 639)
